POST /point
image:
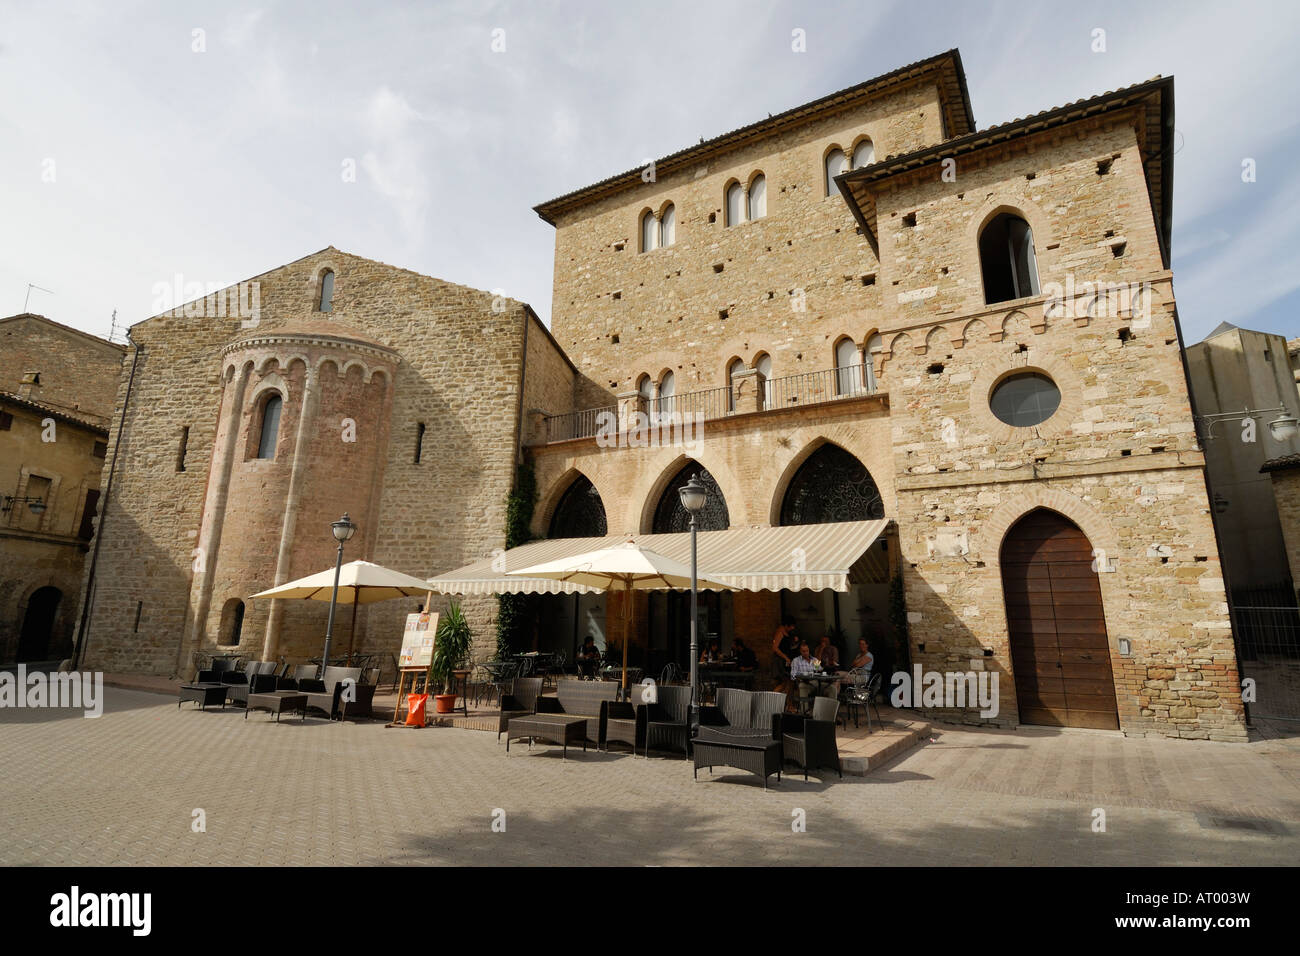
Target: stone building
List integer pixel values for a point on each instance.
(931, 376)
(1243, 383)
(56, 395)
(256, 416)
(882, 312)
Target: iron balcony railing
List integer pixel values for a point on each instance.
(791, 391)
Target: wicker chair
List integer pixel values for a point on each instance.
(666, 722)
(518, 699)
(809, 742)
(621, 721)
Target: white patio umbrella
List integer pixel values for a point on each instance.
(360, 582)
(624, 567)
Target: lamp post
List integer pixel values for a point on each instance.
(35, 505)
(343, 530)
(693, 497)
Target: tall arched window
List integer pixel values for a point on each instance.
(668, 226)
(757, 197)
(831, 485)
(580, 513)
(667, 390)
(848, 377)
(764, 366)
(1007, 259)
(649, 231)
(735, 204)
(270, 426)
(864, 154)
(326, 302)
(671, 516)
(875, 345)
(733, 369)
(836, 163)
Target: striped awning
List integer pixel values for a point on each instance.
(812, 556)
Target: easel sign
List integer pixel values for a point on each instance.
(416, 658)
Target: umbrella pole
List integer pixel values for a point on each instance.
(627, 597)
(352, 634)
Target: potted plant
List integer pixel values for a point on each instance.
(450, 651)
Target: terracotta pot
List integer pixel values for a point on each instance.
(444, 703)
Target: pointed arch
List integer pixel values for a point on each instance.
(827, 483)
(664, 513)
(579, 510)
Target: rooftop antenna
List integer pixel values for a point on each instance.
(30, 287)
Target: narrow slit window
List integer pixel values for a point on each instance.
(184, 445)
(326, 303)
(419, 441)
(270, 427)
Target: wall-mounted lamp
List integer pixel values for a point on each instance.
(35, 505)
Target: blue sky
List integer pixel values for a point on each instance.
(224, 163)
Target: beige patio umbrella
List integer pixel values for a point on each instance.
(360, 582)
(624, 567)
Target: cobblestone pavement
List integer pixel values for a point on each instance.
(122, 789)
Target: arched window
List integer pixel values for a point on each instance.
(1007, 259)
(232, 623)
(764, 366)
(326, 302)
(831, 485)
(735, 204)
(836, 163)
(733, 369)
(649, 231)
(270, 426)
(668, 226)
(580, 513)
(848, 374)
(758, 197)
(667, 389)
(875, 345)
(671, 516)
(864, 154)
(645, 388)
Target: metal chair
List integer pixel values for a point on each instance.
(860, 695)
(672, 674)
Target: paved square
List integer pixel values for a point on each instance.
(122, 789)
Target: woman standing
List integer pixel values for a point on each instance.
(785, 647)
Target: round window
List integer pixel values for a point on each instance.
(1025, 400)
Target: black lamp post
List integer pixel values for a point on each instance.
(693, 497)
(343, 530)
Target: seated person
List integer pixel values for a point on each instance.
(865, 658)
(828, 654)
(745, 659)
(712, 653)
(803, 664)
(588, 658)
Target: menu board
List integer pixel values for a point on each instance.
(417, 640)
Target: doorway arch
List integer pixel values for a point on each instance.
(38, 624)
(1056, 624)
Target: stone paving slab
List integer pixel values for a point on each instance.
(123, 788)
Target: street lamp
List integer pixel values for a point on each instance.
(35, 505)
(1284, 429)
(343, 530)
(693, 495)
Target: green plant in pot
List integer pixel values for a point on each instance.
(450, 652)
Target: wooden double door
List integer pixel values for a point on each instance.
(1059, 649)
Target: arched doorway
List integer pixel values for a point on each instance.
(832, 485)
(38, 624)
(1057, 626)
(668, 613)
(570, 618)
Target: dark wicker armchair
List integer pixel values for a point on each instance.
(809, 742)
(518, 699)
(622, 721)
(666, 723)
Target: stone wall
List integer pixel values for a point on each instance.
(784, 281)
(78, 372)
(461, 351)
(1286, 494)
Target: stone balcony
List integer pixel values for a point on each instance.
(748, 393)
